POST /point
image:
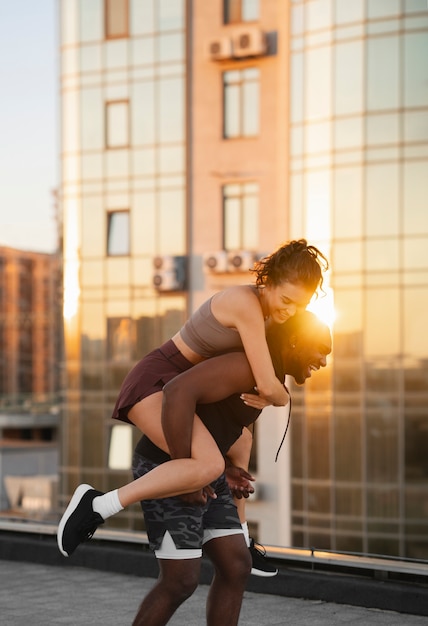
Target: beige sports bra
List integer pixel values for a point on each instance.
(204, 334)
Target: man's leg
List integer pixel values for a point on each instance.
(177, 581)
(232, 562)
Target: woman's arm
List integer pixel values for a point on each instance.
(209, 381)
(239, 307)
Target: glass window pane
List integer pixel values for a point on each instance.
(318, 14)
(117, 124)
(171, 110)
(382, 8)
(172, 236)
(170, 14)
(250, 122)
(414, 325)
(296, 95)
(171, 47)
(382, 442)
(348, 202)
(251, 223)
(231, 111)
(416, 126)
(116, 19)
(415, 197)
(382, 76)
(346, 12)
(232, 222)
(318, 206)
(318, 137)
(121, 448)
(348, 86)
(91, 20)
(415, 71)
(382, 255)
(383, 129)
(118, 233)
(142, 17)
(317, 76)
(415, 252)
(381, 338)
(382, 199)
(250, 10)
(143, 114)
(92, 123)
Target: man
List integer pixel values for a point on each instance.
(178, 528)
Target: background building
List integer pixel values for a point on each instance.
(197, 136)
(31, 353)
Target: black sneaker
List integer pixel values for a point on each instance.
(261, 566)
(79, 521)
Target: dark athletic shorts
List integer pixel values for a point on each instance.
(189, 526)
(149, 376)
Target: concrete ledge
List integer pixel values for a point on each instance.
(136, 559)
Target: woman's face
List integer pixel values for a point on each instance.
(283, 301)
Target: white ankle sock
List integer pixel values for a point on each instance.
(108, 504)
(246, 533)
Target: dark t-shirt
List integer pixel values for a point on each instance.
(224, 420)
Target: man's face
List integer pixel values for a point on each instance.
(308, 353)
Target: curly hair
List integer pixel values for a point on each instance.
(294, 262)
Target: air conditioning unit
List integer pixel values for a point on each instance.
(240, 261)
(170, 273)
(249, 42)
(216, 262)
(219, 49)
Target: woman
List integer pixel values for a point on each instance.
(233, 319)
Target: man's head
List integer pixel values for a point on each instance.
(299, 346)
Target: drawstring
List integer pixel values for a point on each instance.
(286, 429)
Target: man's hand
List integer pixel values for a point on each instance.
(239, 481)
(199, 497)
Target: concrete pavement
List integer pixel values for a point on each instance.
(48, 595)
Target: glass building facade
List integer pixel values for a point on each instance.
(359, 186)
(168, 154)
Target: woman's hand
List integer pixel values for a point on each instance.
(255, 401)
(239, 481)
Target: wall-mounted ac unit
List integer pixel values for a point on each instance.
(249, 42)
(170, 273)
(240, 261)
(216, 262)
(219, 49)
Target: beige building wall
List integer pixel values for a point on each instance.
(263, 159)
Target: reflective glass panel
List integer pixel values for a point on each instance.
(118, 233)
(91, 119)
(415, 336)
(415, 197)
(172, 222)
(346, 11)
(382, 255)
(416, 126)
(415, 254)
(383, 8)
(296, 94)
(170, 14)
(348, 85)
(171, 47)
(382, 76)
(415, 71)
(142, 16)
(91, 15)
(382, 199)
(116, 18)
(143, 113)
(117, 124)
(348, 186)
(317, 76)
(382, 322)
(318, 14)
(383, 129)
(171, 122)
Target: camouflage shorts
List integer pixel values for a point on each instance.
(186, 523)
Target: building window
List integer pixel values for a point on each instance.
(241, 103)
(116, 19)
(118, 233)
(241, 216)
(240, 11)
(117, 124)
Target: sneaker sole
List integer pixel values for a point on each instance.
(259, 572)
(77, 496)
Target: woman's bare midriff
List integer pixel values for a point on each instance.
(187, 352)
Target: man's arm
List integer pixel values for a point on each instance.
(208, 382)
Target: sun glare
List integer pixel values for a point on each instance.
(323, 307)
